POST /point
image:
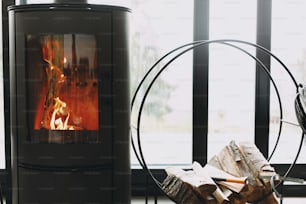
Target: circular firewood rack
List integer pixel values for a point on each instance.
(236, 44)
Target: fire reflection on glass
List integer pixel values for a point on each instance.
(69, 95)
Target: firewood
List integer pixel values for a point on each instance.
(271, 199)
(233, 197)
(203, 186)
(179, 191)
(201, 172)
(228, 163)
(220, 196)
(227, 192)
(262, 172)
(214, 161)
(218, 173)
(241, 163)
(245, 160)
(235, 187)
(210, 200)
(257, 163)
(239, 174)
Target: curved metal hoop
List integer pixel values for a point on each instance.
(191, 46)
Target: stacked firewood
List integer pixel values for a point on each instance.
(239, 174)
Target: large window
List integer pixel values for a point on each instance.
(288, 39)
(231, 74)
(159, 26)
(236, 88)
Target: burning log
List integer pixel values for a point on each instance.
(68, 103)
(53, 55)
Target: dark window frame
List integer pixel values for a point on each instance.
(262, 104)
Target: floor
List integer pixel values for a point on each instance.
(164, 201)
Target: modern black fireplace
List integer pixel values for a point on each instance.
(69, 103)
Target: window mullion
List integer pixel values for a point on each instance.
(200, 82)
(262, 99)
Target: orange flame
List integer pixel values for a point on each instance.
(59, 114)
(64, 105)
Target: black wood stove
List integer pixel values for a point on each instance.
(69, 103)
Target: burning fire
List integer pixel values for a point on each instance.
(66, 100)
(59, 114)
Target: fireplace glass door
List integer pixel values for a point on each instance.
(62, 88)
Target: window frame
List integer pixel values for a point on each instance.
(142, 184)
(262, 92)
(264, 37)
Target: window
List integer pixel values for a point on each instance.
(166, 126)
(234, 84)
(231, 74)
(287, 40)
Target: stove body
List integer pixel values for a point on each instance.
(69, 82)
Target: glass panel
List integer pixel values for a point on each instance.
(288, 37)
(62, 69)
(166, 126)
(2, 147)
(231, 74)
